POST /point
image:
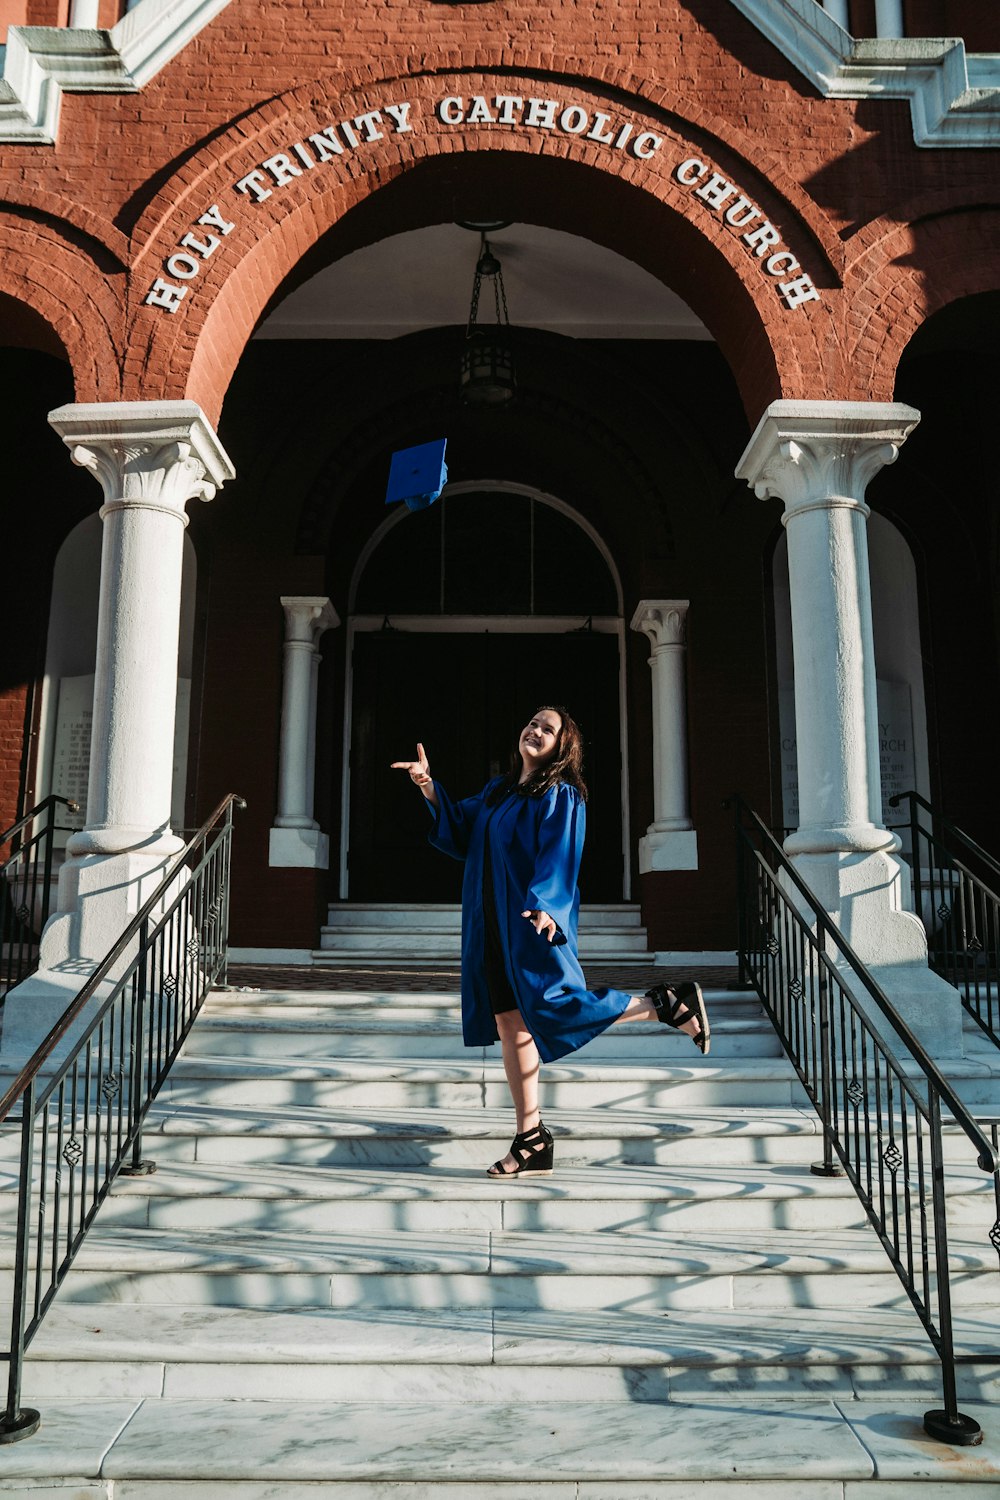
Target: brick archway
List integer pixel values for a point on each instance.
(66, 267)
(904, 274)
(245, 216)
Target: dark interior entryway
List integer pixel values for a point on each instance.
(467, 696)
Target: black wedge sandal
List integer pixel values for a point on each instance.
(533, 1150)
(685, 1003)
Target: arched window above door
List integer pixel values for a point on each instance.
(487, 552)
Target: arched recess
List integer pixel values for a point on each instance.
(902, 701)
(436, 174)
(70, 280)
(608, 443)
(943, 490)
(542, 606)
(902, 275)
(63, 746)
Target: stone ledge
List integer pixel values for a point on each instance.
(954, 99)
(40, 63)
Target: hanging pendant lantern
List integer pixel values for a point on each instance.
(488, 377)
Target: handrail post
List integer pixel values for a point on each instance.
(138, 1167)
(20, 1422)
(50, 832)
(915, 853)
(947, 1424)
(741, 899)
(829, 1166)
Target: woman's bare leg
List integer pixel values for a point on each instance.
(521, 1064)
(641, 1009)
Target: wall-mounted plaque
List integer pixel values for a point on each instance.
(71, 758)
(896, 757)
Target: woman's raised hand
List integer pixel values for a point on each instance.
(419, 769)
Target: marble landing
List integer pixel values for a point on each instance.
(476, 1354)
(647, 1450)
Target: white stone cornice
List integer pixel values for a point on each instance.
(157, 454)
(954, 98)
(40, 63)
(823, 453)
(664, 621)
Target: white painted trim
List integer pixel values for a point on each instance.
(708, 960)
(478, 487)
(489, 624)
(954, 99)
(40, 63)
(508, 624)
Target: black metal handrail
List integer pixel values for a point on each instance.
(25, 888)
(960, 911)
(81, 1120)
(882, 1122)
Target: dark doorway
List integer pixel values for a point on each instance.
(467, 696)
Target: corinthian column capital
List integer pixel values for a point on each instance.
(307, 617)
(823, 453)
(151, 455)
(664, 621)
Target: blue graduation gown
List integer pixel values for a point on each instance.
(535, 848)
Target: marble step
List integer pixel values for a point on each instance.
(723, 1004)
(571, 1084)
(606, 945)
(476, 1354)
(443, 1139)
(448, 916)
(476, 1078)
(581, 1105)
(627, 1198)
(586, 1271)
(156, 1449)
(317, 1031)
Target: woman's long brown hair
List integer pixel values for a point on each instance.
(566, 765)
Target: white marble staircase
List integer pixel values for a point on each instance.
(424, 932)
(319, 1292)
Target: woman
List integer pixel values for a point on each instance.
(521, 839)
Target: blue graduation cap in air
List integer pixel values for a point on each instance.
(418, 475)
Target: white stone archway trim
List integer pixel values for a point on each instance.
(41, 63)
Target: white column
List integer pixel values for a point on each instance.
(296, 840)
(670, 842)
(150, 459)
(84, 13)
(819, 456)
(889, 18)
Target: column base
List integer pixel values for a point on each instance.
(298, 849)
(98, 897)
(851, 838)
(867, 896)
(31, 1010)
(668, 849)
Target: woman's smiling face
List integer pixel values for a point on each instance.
(539, 740)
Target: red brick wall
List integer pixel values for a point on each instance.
(13, 704)
(833, 173)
